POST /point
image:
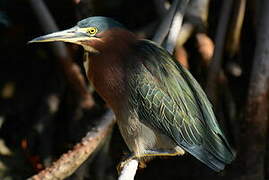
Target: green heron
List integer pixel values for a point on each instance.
(160, 108)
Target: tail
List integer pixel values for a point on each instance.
(216, 159)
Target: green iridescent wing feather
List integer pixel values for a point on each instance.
(168, 98)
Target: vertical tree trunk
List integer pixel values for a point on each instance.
(254, 128)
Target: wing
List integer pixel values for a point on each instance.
(168, 98)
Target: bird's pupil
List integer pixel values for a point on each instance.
(92, 31)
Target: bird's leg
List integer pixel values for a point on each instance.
(121, 165)
(148, 153)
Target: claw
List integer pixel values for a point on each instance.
(121, 165)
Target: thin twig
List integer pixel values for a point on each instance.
(165, 24)
(215, 66)
(235, 29)
(70, 161)
(129, 170)
(176, 26)
(194, 20)
(185, 33)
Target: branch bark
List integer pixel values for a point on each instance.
(254, 134)
(171, 25)
(164, 27)
(235, 29)
(176, 26)
(69, 162)
(215, 65)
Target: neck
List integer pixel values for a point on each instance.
(107, 69)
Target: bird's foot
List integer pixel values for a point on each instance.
(123, 163)
(147, 156)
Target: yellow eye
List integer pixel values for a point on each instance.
(92, 31)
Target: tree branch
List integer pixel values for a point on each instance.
(254, 129)
(129, 170)
(234, 33)
(70, 161)
(215, 65)
(176, 26)
(164, 28)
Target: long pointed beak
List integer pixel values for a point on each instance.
(72, 35)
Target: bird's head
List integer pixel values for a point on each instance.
(88, 33)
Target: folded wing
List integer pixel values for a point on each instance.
(168, 98)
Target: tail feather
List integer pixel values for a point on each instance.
(205, 156)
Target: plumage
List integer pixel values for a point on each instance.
(159, 106)
(167, 97)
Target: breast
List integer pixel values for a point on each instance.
(107, 69)
(109, 81)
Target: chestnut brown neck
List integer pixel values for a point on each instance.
(107, 69)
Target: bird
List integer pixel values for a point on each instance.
(160, 109)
